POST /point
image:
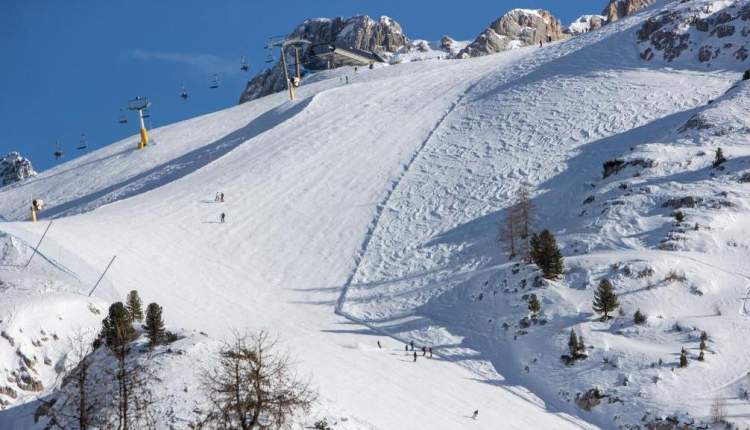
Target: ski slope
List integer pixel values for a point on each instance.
(302, 182)
(368, 211)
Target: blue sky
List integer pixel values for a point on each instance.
(69, 66)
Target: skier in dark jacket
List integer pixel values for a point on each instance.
(415, 356)
(223, 217)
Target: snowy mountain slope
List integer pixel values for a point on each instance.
(380, 199)
(299, 198)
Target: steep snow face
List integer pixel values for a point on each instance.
(714, 33)
(618, 9)
(14, 167)
(519, 27)
(585, 23)
(384, 36)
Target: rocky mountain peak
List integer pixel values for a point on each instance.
(617, 9)
(14, 167)
(519, 27)
(383, 36)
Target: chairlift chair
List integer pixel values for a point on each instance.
(184, 93)
(214, 82)
(243, 65)
(269, 57)
(58, 152)
(122, 119)
(82, 144)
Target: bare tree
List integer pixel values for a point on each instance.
(253, 383)
(75, 405)
(718, 410)
(518, 227)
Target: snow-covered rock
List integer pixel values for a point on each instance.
(517, 28)
(14, 167)
(384, 36)
(711, 33)
(586, 23)
(618, 9)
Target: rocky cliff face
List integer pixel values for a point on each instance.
(617, 9)
(14, 168)
(519, 27)
(384, 36)
(718, 35)
(586, 23)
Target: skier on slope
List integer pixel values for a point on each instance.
(379, 345)
(221, 197)
(223, 217)
(430, 351)
(415, 356)
(412, 345)
(424, 351)
(474, 415)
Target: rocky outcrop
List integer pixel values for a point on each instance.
(14, 168)
(519, 27)
(585, 23)
(617, 9)
(703, 36)
(384, 36)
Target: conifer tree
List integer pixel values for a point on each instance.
(701, 357)
(546, 254)
(573, 343)
(534, 305)
(605, 299)
(639, 317)
(683, 358)
(154, 326)
(703, 345)
(704, 336)
(135, 306)
(719, 157)
(117, 327)
(581, 347)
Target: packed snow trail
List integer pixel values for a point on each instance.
(300, 199)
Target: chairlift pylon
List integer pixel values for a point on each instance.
(214, 82)
(82, 144)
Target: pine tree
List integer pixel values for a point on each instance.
(605, 299)
(704, 336)
(701, 357)
(573, 344)
(154, 324)
(117, 327)
(534, 305)
(703, 345)
(546, 254)
(135, 306)
(683, 358)
(639, 317)
(719, 157)
(581, 347)
(679, 216)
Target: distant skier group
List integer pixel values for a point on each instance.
(425, 350)
(219, 198)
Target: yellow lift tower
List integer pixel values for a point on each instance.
(141, 104)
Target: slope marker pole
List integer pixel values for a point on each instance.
(102, 276)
